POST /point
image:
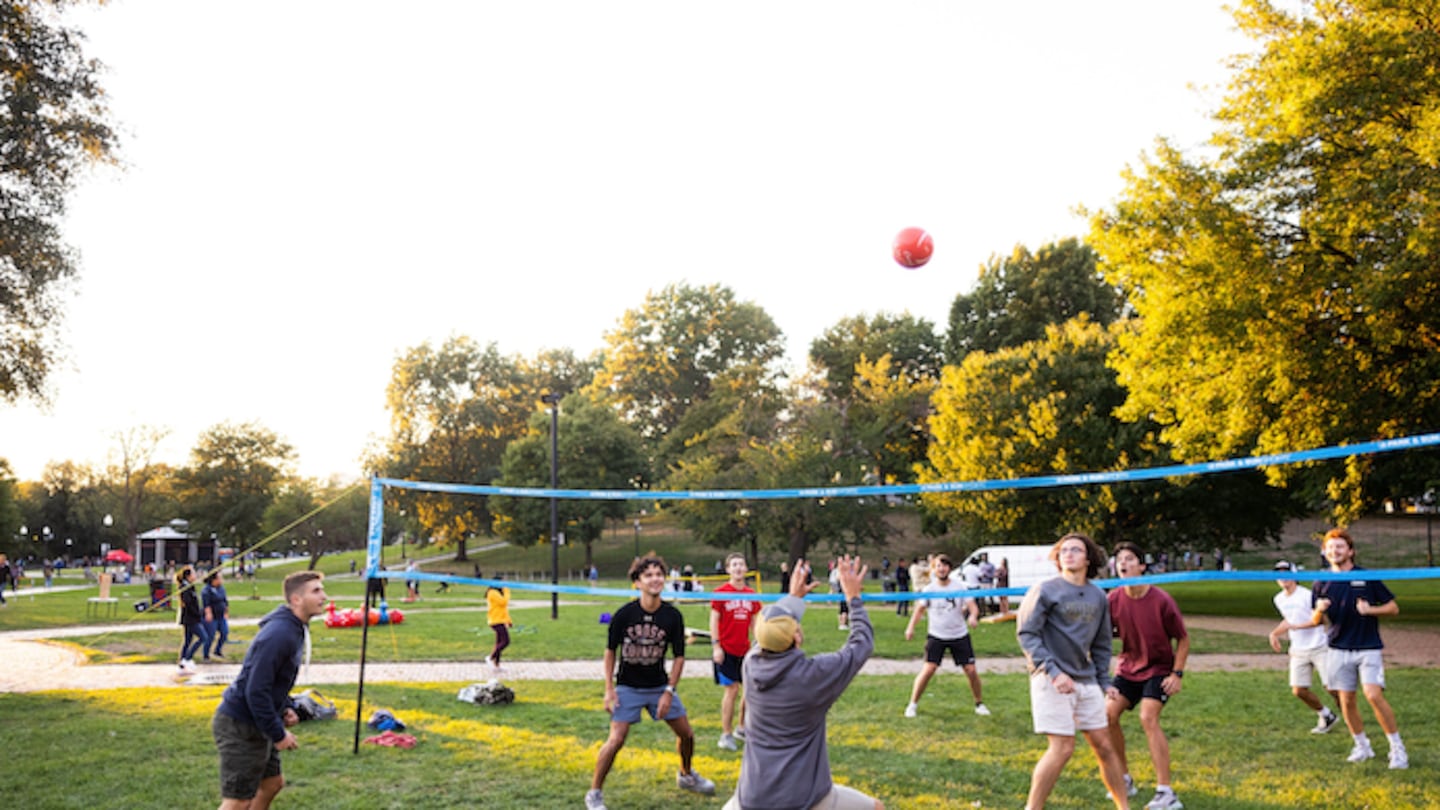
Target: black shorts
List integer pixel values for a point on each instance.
(959, 649)
(1135, 691)
(247, 757)
(729, 670)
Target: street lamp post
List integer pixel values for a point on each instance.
(553, 400)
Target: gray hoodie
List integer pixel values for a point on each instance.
(786, 763)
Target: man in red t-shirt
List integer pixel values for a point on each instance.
(730, 624)
(1149, 670)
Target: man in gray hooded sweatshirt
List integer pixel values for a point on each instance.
(786, 764)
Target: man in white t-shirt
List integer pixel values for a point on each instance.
(1308, 647)
(948, 631)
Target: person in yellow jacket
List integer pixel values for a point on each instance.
(498, 618)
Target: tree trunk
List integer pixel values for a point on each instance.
(799, 545)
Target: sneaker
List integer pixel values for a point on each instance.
(187, 665)
(220, 655)
(1164, 800)
(1130, 789)
(740, 734)
(1399, 760)
(594, 800)
(912, 710)
(487, 661)
(1326, 722)
(982, 710)
(695, 783)
(1360, 753)
(727, 742)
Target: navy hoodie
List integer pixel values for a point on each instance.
(261, 692)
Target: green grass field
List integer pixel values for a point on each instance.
(1238, 740)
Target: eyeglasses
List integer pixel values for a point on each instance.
(1072, 550)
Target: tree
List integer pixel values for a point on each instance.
(666, 356)
(1020, 295)
(11, 518)
(595, 450)
(1046, 408)
(910, 342)
(234, 473)
(130, 477)
(452, 412)
(53, 124)
(1286, 281)
(339, 526)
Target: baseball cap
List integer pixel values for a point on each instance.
(1284, 566)
(775, 632)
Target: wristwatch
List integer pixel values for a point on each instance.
(669, 688)
(1179, 673)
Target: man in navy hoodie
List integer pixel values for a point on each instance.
(251, 726)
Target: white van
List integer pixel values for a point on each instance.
(1028, 564)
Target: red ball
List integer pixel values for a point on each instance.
(913, 247)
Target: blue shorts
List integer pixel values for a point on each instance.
(632, 700)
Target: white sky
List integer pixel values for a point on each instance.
(313, 187)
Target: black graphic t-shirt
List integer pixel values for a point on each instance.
(640, 639)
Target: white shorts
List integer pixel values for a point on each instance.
(1349, 666)
(839, 798)
(1304, 664)
(1054, 713)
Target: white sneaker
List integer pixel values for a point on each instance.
(1360, 753)
(982, 710)
(1130, 789)
(594, 800)
(695, 783)
(1326, 722)
(912, 710)
(1165, 800)
(727, 742)
(187, 665)
(740, 733)
(1399, 760)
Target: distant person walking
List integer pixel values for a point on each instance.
(191, 618)
(7, 577)
(902, 585)
(216, 604)
(497, 615)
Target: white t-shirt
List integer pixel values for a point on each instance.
(971, 573)
(947, 616)
(1296, 608)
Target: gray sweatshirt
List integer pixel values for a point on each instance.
(786, 763)
(1066, 628)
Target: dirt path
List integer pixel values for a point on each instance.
(31, 663)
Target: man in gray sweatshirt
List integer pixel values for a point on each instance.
(1064, 628)
(786, 764)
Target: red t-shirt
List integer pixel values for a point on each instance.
(735, 616)
(1146, 627)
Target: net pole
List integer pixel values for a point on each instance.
(374, 559)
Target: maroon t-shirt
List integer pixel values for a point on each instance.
(1146, 627)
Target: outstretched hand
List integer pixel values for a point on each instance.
(852, 575)
(799, 588)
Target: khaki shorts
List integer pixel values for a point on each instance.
(1305, 663)
(839, 798)
(1054, 713)
(247, 757)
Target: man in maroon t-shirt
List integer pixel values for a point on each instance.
(1149, 670)
(730, 624)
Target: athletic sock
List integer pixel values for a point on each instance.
(1394, 739)
(1361, 739)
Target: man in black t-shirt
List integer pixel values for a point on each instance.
(639, 634)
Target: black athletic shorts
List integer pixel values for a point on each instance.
(959, 648)
(1135, 691)
(728, 671)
